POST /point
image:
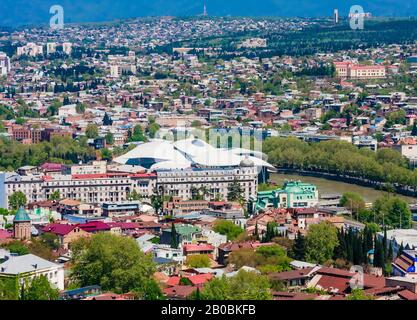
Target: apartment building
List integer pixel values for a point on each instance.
(87, 188)
(347, 69)
(4, 64)
(30, 49)
(179, 183)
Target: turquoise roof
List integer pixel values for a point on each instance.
(21, 215)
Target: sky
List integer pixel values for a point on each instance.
(22, 12)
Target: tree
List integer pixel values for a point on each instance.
(114, 262)
(198, 261)
(228, 228)
(106, 154)
(243, 286)
(39, 289)
(271, 232)
(358, 294)
(109, 138)
(50, 240)
(134, 196)
(378, 254)
(17, 199)
(80, 108)
(414, 130)
(150, 291)
(174, 237)
(267, 259)
(66, 101)
(321, 240)
(352, 201)
(91, 131)
(234, 191)
(107, 121)
(17, 247)
(400, 250)
(152, 129)
(392, 212)
(157, 202)
(55, 196)
(137, 134)
(9, 288)
(299, 247)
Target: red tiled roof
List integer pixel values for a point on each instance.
(407, 295)
(94, 226)
(5, 234)
(293, 295)
(124, 225)
(199, 279)
(179, 291)
(173, 281)
(289, 275)
(334, 284)
(59, 228)
(52, 166)
(198, 247)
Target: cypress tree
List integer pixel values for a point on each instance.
(341, 251)
(174, 237)
(385, 245)
(414, 130)
(379, 260)
(256, 231)
(299, 247)
(390, 254)
(400, 250)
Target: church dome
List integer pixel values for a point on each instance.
(21, 216)
(247, 162)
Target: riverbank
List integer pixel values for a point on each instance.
(327, 185)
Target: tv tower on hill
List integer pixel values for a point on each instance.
(205, 10)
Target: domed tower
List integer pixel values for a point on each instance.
(247, 163)
(22, 225)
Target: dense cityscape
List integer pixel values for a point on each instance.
(184, 158)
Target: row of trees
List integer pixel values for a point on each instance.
(37, 289)
(324, 243)
(341, 158)
(59, 150)
(387, 211)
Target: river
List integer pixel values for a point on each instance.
(336, 187)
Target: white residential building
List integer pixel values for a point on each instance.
(67, 48)
(4, 64)
(30, 49)
(50, 47)
(29, 267)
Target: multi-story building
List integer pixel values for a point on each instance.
(27, 267)
(294, 194)
(179, 183)
(30, 49)
(4, 64)
(347, 69)
(67, 48)
(87, 188)
(50, 47)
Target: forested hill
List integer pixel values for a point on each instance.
(21, 12)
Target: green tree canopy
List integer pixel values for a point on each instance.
(91, 131)
(115, 263)
(244, 286)
(352, 201)
(39, 289)
(228, 228)
(321, 241)
(17, 199)
(198, 261)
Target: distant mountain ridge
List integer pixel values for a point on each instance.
(22, 12)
